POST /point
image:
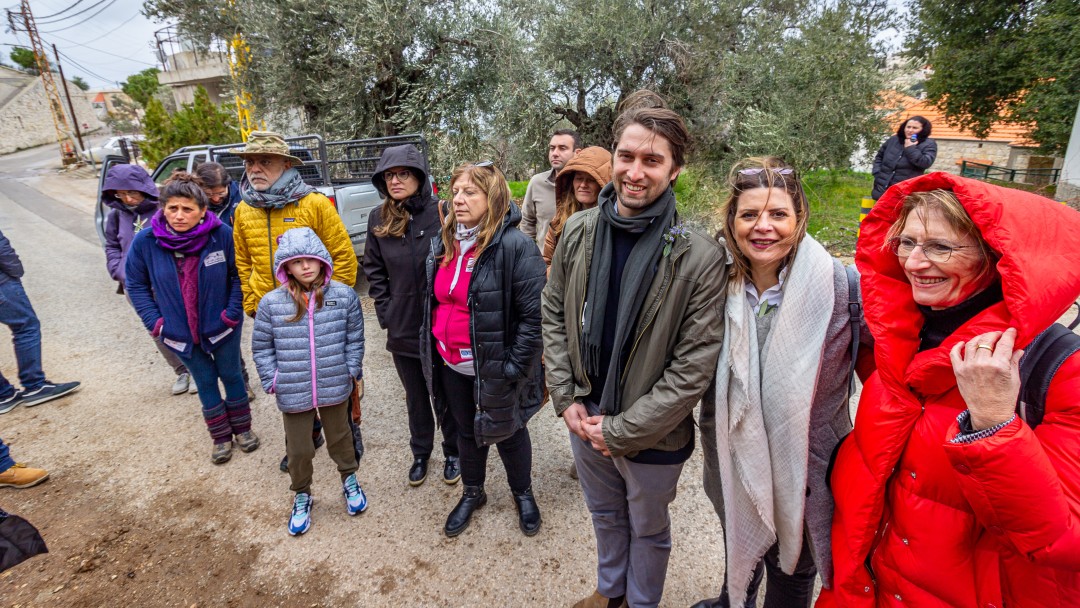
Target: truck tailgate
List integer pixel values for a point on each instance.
(354, 203)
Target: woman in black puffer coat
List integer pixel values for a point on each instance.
(903, 156)
(481, 340)
(398, 240)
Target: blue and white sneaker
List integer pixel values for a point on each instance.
(301, 514)
(355, 500)
(8, 403)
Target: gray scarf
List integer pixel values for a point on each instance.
(637, 276)
(289, 188)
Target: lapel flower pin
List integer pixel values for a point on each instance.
(675, 232)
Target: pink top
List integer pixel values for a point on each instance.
(450, 319)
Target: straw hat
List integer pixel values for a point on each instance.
(266, 143)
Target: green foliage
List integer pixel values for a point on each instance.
(79, 82)
(200, 122)
(1003, 60)
(517, 189)
(142, 86)
(24, 58)
(493, 79)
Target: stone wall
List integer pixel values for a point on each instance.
(951, 151)
(25, 120)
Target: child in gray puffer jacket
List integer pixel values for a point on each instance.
(308, 345)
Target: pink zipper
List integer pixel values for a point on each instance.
(311, 342)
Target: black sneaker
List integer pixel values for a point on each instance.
(9, 403)
(48, 392)
(418, 472)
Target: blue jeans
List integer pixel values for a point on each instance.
(18, 315)
(224, 364)
(6, 461)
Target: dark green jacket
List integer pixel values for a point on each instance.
(675, 343)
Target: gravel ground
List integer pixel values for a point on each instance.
(135, 513)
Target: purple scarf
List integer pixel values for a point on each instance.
(184, 243)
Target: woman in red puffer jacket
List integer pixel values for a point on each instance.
(944, 496)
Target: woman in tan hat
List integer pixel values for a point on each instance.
(276, 199)
(577, 188)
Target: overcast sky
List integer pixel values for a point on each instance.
(104, 45)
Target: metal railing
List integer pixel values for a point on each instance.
(986, 171)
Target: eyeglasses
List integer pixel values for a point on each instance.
(757, 170)
(402, 176)
(935, 251)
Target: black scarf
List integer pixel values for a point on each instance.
(638, 274)
(940, 324)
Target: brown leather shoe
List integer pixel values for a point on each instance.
(21, 476)
(598, 601)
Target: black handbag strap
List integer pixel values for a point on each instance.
(855, 318)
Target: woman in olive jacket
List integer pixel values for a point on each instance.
(481, 339)
(398, 239)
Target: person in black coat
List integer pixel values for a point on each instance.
(481, 341)
(903, 156)
(398, 240)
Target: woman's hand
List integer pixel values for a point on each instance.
(988, 375)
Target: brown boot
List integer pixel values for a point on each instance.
(598, 601)
(21, 476)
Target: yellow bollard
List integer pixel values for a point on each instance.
(867, 206)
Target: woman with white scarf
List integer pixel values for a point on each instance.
(779, 405)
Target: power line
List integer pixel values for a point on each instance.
(103, 9)
(104, 52)
(77, 3)
(126, 21)
(84, 70)
(42, 21)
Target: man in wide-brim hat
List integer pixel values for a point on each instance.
(276, 199)
(266, 157)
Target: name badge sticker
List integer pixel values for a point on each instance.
(214, 257)
(466, 353)
(174, 344)
(221, 336)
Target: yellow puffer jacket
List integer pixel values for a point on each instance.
(256, 231)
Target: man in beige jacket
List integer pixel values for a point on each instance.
(538, 207)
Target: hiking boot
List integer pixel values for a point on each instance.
(48, 392)
(183, 381)
(355, 500)
(222, 452)
(9, 403)
(418, 472)
(300, 520)
(21, 476)
(247, 441)
(528, 513)
(451, 471)
(472, 499)
(598, 601)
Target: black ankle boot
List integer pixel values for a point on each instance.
(471, 499)
(528, 512)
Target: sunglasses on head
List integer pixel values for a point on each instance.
(757, 170)
(483, 163)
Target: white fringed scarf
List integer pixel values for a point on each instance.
(763, 399)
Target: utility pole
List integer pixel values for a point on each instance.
(71, 106)
(52, 94)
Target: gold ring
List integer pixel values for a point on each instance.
(986, 346)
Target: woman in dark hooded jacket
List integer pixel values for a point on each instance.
(481, 339)
(398, 239)
(905, 155)
(221, 190)
(133, 197)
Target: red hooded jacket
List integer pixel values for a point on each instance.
(923, 522)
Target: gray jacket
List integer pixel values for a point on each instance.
(830, 421)
(311, 362)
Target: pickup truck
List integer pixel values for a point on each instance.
(341, 170)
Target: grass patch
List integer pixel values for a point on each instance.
(517, 189)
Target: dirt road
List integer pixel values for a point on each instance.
(136, 515)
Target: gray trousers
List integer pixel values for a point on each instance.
(629, 506)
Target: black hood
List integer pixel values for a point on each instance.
(408, 156)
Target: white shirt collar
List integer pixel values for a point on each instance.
(772, 296)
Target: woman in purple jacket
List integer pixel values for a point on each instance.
(133, 197)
